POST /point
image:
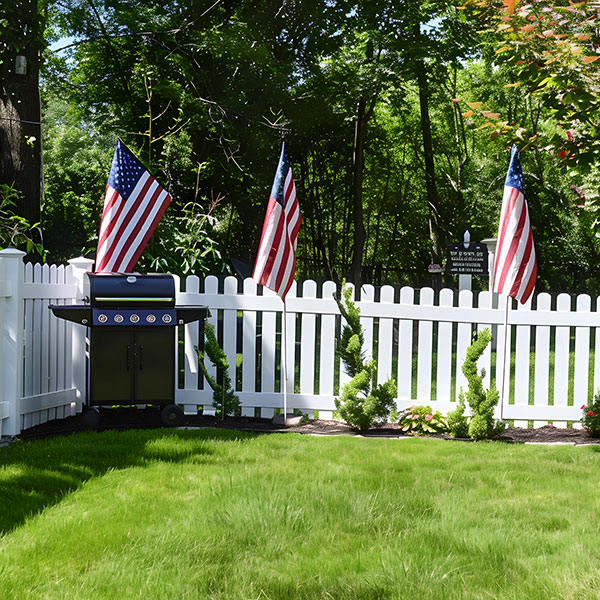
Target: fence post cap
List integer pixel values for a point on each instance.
(81, 261)
(12, 253)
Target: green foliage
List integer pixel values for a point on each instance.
(421, 420)
(362, 403)
(458, 423)
(591, 416)
(481, 402)
(225, 400)
(15, 231)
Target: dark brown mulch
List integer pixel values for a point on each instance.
(128, 418)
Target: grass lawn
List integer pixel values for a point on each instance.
(217, 514)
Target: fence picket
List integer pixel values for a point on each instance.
(463, 340)
(561, 355)
(60, 340)
(290, 335)
(485, 361)
(249, 342)
(344, 377)
(191, 342)
(596, 384)
(211, 286)
(522, 356)
(230, 320)
(28, 376)
(542, 355)
(444, 352)
(308, 340)
(367, 294)
(425, 351)
(386, 338)
(327, 350)
(405, 349)
(582, 354)
(269, 338)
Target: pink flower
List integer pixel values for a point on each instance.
(583, 407)
(591, 413)
(415, 417)
(428, 417)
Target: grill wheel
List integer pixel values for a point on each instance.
(172, 415)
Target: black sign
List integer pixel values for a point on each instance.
(470, 260)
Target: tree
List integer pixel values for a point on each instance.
(21, 44)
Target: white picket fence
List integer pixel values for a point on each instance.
(419, 342)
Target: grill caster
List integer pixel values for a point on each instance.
(171, 414)
(91, 417)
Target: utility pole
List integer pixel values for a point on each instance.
(20, 111)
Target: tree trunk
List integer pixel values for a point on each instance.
(430, 185)
(20, 129)
(358, 162)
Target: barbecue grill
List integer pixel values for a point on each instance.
(131, 321)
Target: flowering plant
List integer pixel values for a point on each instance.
(591, 416)
(422, 419)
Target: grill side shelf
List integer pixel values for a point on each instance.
(189, 314)
(81, 314)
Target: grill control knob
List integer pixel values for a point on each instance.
(134, 318)
(102, 318)
(151, 318)
(118, 318)
(167, 318)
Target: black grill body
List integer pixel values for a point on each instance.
(132, 341)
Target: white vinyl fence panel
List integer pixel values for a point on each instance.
(418, 337)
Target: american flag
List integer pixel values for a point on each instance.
(276, 259)
(515, 266)
(133, 206)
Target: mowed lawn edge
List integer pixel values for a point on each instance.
(221, 514)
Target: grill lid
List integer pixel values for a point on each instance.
(109, 290)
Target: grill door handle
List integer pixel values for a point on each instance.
(128, 353)
(141, 357)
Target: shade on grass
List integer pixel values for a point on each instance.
(217, 514)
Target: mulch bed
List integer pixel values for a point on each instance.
(126, 418)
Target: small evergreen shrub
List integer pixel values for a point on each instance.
(458, 423)
(421, 420)
(224, 398)
(482, 402)
(362, 403)
(591, 416)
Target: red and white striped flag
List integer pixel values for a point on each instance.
(276, 258)
(515, 265)
(133, 206)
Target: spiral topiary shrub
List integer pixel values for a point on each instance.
(225, 400)
(482, 402)
(362, 403)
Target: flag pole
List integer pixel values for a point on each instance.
(506, 352)
(284, 362)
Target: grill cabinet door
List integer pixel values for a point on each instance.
(111, 365)
(154, 365)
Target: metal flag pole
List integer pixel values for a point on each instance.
(506, 352)
(284, 362)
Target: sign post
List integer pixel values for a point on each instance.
(467, 259)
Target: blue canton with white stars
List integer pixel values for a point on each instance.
(125, 172)
(514, 177)
(282, 171)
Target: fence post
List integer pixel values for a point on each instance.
(11, 343)
(79, 349)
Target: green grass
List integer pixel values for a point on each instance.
(224, 515)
